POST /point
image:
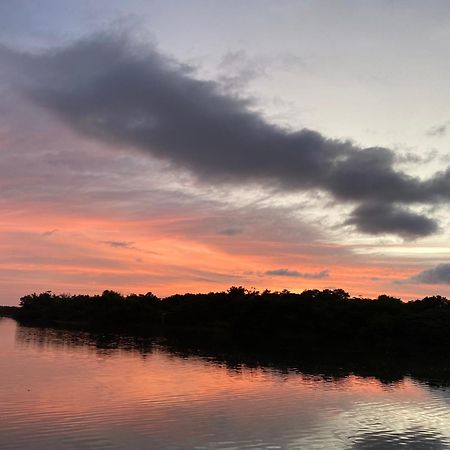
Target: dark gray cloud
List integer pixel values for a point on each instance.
(107, 88)
(437, 275)
(295, 274)
(382, 218)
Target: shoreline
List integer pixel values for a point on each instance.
(322, 321)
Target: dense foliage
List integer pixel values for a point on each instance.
(313, 317)
(8, 311)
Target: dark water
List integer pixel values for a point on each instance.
(65, 390)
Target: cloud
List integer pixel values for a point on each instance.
(295, 274)
(387, 218)
(49, 232)
(107, 88)
(231, 231)
(436, 275)
(237, 69)
(128, 245)
(438, 130)
(119, 244)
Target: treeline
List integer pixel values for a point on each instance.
(8, 311)
(312, 318)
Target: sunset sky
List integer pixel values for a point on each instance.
(188, 146)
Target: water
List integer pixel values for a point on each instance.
(65, 390)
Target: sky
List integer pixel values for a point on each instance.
(189, 146)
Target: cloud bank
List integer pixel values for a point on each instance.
(109, 89)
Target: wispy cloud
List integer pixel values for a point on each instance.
(438, 130)
(294, 274)
(49, 232)
(119, 244)
(230, 231)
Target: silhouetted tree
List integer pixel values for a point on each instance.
(313, 317)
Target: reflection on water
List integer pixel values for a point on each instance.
(72, 390)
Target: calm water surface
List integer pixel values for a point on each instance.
(64, 390)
